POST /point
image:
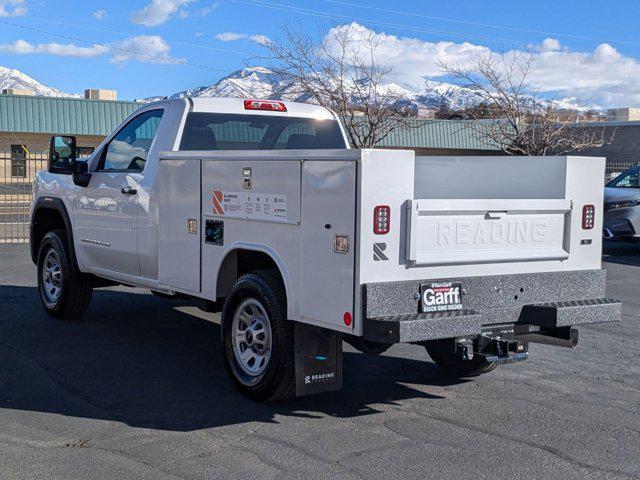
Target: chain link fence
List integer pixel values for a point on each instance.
(16, 178)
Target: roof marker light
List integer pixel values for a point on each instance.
(268, 105)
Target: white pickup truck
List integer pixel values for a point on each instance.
(259, 210)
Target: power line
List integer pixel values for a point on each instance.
(479, 24)
(164, 59)
(123, 34)
(322, 14)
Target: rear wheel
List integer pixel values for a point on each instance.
(62, 292)
(258, 338)
(366, 346)
(442, 352)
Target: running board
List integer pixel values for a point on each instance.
(577, 312)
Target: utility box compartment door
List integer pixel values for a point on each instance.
(328, 242)
(179, 228)
(449, 232)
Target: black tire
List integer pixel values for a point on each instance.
(366, 346)
(276, 382)
(73, 294)
(164, 296)
(442, 353)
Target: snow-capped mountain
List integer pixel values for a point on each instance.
(260, 82)
(12, 78)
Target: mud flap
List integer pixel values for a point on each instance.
(318, 356)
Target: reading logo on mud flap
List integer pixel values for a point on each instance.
(319, 378)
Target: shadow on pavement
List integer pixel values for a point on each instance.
(142, 361)
(621, 253)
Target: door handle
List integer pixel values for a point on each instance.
(494, 215)
(128, 191)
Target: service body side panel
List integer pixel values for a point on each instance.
(289, 205)
(264, 217)
(328, 216)
(178, 246)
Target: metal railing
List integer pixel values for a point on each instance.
(613, 169)
(16, 180)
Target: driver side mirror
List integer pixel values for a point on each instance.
(62, 154)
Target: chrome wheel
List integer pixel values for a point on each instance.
(52, 277)
(251, 337)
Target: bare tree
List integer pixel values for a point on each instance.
(514, 117)
(340, 72)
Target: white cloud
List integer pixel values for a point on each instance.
(412, 59)
(145, 49)
(142, 48)
(22, 47)
(603, 76)
(230, 36)
(12, 8)
(549, 45)
(260, 39)
(204, 11)
(99, 14)
(158, 12)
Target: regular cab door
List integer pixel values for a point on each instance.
(107, 211)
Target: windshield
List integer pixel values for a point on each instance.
(222, 131)
(628, 179)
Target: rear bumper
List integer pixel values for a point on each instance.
(549, 300)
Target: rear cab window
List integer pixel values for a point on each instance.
(221, 131)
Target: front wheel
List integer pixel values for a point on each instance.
(443, 354)
(258, 338)
(62, 293)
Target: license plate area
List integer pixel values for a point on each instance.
(440, 297)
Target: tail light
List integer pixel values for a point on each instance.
(265, 105)
(588, 217)
(381, 219)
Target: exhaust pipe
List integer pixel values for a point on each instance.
(558, 337)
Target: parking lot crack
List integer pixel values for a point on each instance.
(551, 450)
(310, 454)
(84, 443)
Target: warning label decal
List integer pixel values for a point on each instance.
(258, 206)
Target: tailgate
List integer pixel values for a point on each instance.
(465, 217)
(462, 231)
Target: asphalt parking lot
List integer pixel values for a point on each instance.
(138, 390)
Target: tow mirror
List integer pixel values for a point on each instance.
(62, 154)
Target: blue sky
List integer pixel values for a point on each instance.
(159, 47)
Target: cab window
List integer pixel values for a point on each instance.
(129, 149)
(225, 131)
